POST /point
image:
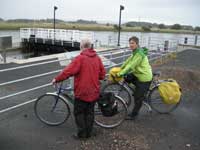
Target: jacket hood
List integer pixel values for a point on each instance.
(89, 52)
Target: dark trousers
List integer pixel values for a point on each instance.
(140, 91)
(84, 117)
(139, 95)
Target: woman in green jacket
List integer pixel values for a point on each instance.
(138, 71)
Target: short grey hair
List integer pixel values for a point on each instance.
(85, 43)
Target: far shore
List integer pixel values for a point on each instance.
(89, 27)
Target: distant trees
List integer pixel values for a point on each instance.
(187, 27)
(145, 26)
(107, 24)
(20, 20)
(146, 29)
(176, 27)
(116, 27)
(50, 20)
(161, 26)
(197, 29)
(129, 24)
(81, 21)
(33, 20)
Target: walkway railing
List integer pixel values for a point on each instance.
(57, 34)
(24, 83)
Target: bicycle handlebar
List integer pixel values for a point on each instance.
(60, 88)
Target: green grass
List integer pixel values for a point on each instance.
(87, 27)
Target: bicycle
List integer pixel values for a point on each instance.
(152, 99)
(53, 108)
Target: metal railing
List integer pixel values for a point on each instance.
(57, 34)
(111, 58)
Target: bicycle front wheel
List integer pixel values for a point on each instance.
(157, 103)
(113, 121)
(51, 109)
(118, 90)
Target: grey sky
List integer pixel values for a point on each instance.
(160, 11)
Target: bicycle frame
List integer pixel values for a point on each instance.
(131, 88)
(63, 92)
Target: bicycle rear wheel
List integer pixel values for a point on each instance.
(157, 103)
(118, 90)
(51, 109)
(113, 121)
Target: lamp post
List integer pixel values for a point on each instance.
(119, 28)
(54, 19)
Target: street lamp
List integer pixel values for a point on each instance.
(119, 28)
(54, 19)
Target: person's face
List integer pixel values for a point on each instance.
(133, 45)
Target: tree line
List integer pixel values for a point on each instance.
(146, 26)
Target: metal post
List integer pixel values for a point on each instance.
(124, 55)
(195, 40)
(111, 56)
(119, 28)
(166, 45)
(4, 56)
(185, 40)
(54, 21)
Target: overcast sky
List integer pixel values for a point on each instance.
(185, 12)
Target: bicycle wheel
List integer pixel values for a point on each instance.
(158, 105)
(119, 90)
(113, 121)
(51, 109)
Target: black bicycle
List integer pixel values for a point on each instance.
(153, 99)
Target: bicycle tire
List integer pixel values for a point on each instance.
(50, 112)
(156, 103)
(114, 121)
(118, 90)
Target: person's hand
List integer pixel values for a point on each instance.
(118, 75)
(53, 81)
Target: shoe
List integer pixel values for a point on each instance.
(131, 116)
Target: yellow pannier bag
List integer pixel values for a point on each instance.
(170, 92)
(112, 74)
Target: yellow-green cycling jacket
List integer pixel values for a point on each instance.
(139, 65)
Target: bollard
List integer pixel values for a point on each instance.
(185, 40)
(96, 41)
(195, 40)
(166, 45)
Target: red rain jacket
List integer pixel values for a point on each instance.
(87, 69)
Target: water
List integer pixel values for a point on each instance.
(144, 37)
(109, 37)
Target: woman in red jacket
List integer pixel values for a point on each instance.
(87, 69)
